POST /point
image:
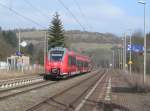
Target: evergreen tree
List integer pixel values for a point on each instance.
(56, 33)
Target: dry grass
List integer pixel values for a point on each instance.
(136, 80)
(91, 46)
(4, 74)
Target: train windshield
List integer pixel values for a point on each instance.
(56, 55)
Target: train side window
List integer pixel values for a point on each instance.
(73, 61)
(69, 60)
(78, 63)
(81, 64)
(85, 64)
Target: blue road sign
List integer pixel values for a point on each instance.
(18, 53)
(135, 48)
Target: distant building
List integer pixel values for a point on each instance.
(17, 62)
(3, 65)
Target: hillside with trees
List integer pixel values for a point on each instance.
(8, 43)
(96, 45)
(73, 36)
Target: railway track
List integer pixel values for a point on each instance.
(21, 82)
(12, 87)
(20, 77)
(23, 89)
(62, 101)
(22, 86)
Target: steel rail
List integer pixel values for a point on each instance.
(64, 91)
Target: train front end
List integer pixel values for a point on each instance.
(55, 63)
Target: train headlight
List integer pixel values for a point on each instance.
(55, 70)
(61, 63)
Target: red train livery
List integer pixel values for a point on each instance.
(61, 62)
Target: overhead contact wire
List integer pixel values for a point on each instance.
(73, 16)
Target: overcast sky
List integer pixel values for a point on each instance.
(114, 16)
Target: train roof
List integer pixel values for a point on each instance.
(71, 52)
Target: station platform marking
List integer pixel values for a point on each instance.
(108, 91)
(89, 94)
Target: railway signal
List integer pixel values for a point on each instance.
(130, 62)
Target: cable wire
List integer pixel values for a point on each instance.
(25, 17)
(82, 14)
(73, 16)
(38, 10)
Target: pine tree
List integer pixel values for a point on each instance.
(56, 33)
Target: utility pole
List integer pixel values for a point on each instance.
(121, 52)
(45, 49)
(130, 55)
(144, 78)
(118, 53)
(113, 59)
(144, 75)
(119, 57)
(124, 53)
(19, 42)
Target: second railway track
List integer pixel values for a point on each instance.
(27, 96)
(63, 101)
(23, 89)
(22, 86)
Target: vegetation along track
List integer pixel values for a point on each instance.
(62, 105)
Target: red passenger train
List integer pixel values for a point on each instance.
(61, 62)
